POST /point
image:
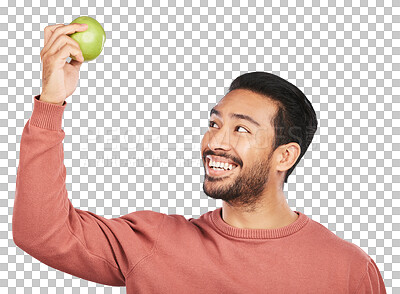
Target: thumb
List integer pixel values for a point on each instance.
(76, 64)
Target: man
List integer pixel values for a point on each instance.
(255, 243)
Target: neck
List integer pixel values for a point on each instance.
(271, 212)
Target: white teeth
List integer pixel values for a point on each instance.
(220, 165)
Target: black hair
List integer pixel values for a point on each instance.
(295, 119)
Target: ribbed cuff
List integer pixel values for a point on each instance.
(46, 115)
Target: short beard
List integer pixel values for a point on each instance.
(245, 190)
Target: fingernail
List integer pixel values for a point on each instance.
(83, 24)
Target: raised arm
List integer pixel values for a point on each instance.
(45, 224)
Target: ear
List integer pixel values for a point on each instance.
(287, 156)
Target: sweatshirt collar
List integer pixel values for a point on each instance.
(216, 218)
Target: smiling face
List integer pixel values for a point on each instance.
(239, 139)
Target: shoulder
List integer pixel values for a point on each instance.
(347, 260)
(337, 247)
(343, 260)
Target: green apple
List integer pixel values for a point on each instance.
(91, 41)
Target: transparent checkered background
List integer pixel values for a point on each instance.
(134, 125)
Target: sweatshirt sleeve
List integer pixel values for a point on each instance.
(372, 281)
(46, 225)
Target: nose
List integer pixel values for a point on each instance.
(219, 140)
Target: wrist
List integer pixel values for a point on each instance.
(44, 99)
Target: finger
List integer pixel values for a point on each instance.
(62, 30)
(64, 52)
(75, 63)
(60, 42)
(48, 31)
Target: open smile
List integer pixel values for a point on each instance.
(215, 168)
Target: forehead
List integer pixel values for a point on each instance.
(241, 101)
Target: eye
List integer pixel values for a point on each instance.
(238, 127)
(211, 125)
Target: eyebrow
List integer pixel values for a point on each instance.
(236, 115)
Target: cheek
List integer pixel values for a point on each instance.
(262, 141)
(243, 146)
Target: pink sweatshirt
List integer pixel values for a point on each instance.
(152, 252)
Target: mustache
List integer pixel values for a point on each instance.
(234, 159)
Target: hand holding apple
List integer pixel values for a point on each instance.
(82, 40)
(60, 78)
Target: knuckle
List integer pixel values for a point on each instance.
(62, 48)
(67, 47)
(58, 30)
(76, 44)
(49, 59)
(62, 38)
(74, 47)
(51, 28)
(71, 41)
(45, 60)
(46, 57)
